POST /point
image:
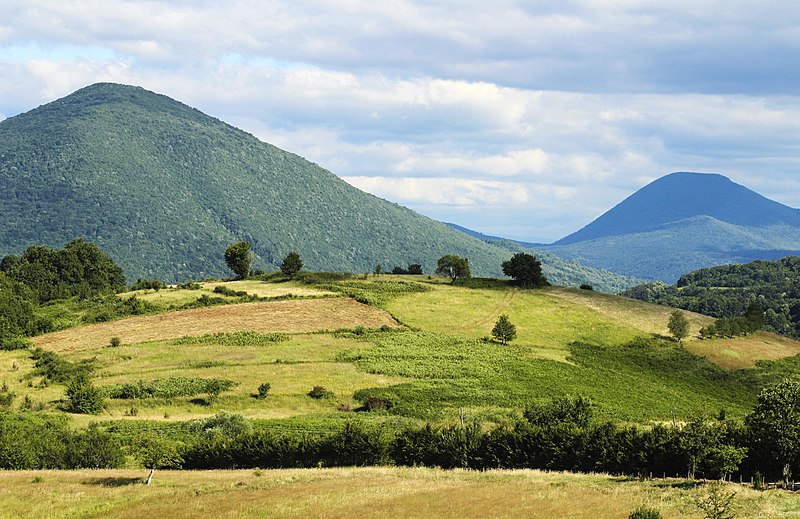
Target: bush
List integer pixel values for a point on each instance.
(225, 291)
(586, 286)
(148, 284)
(320, 392)
(82, 396)
(263, 389)
(645, 512)
(189, 285)
(168, 388)
(14, 343)
(376, 403)
(115, 342)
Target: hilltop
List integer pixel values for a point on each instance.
(680, 223)
(164, 189)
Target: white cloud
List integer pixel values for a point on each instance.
(548, 113)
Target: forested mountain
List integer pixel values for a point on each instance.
(726, 291)
(683, 222)
(164, 189)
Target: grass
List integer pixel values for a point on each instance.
(175, 297)
(306, 315)
(744, 352)
(361, 492)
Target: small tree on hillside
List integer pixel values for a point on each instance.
(526, 270)
(82, 396)
(504, 331)
(678, 325)
(291, 264)
(155, 452)
(455, 267)
(238, 257)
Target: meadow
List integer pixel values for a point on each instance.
(363, 492)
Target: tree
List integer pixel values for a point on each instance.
(775, 423)
(415, 269)
(526, 270)
(504, 331)
(238, 258)
(155, 452)
(678, 325)
(291, 264)
(454, 267)
(82, 396)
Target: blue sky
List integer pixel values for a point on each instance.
(522, 119)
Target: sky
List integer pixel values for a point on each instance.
(523, 119)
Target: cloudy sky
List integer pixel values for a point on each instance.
(525, 119)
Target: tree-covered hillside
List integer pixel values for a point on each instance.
(164, 189)
(726, 291)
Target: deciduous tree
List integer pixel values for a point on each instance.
(526, 270)
(291, 264)
(238, 258)
(678, 325)
(455, 267)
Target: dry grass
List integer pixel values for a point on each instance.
(743, 352)
(643, 316)
(296, 316)
(363, 493)
(178, 296)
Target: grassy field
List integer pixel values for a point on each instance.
(437, 367)
(367, 492)
(175, 297)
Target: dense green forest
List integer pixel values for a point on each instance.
(162, 188)
(727, 291)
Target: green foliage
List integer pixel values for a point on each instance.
(717, 502)
(375, 293)
(504, 331)
(575, 411)
(751, 295)
(225, 291)
(172, 387)
(645, 512)
(115, 342)
(291, 264)
(148, 284)
(454, 267)
(82, 396)
(54, 368)
(189, 285)
(156, 452)
(235, 339)
(80, 268)
(263, 389)
(238, 258)
(525, 270)
(678, 325)
(318, 392)
(775, 423)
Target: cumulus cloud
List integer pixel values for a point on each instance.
(526, 117)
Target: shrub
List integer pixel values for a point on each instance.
(263, 389)
(189, 285)
(504, 331)
(320, 392)
(115, 342)
(587, 286)
(168, 388)
(14, 343)
(148, 284)
(376, 403)
(645, 512)
(225, 291)
(82, 396)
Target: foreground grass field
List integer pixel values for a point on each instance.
(363, 493)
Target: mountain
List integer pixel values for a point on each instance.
(683, 222)
(164, 189)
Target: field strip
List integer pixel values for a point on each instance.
(495, 311)
(297, 316)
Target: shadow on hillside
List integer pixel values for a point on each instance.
(114, 482)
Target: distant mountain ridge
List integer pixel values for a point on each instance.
(164, 189)
(683, 222)
(683, 195)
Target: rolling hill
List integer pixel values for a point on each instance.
(683, 222)
(164, 189)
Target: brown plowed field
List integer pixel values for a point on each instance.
(305, 315)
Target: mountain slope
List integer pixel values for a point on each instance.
(679, 196)
(164, 189)
(684, 222)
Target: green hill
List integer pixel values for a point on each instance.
(164, 189)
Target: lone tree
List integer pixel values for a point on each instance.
(291, 264)
(155, 452)
(775, 423)
(678, 325)
(238, 257)
(504, 331)
(455, 267)
(526, 270)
